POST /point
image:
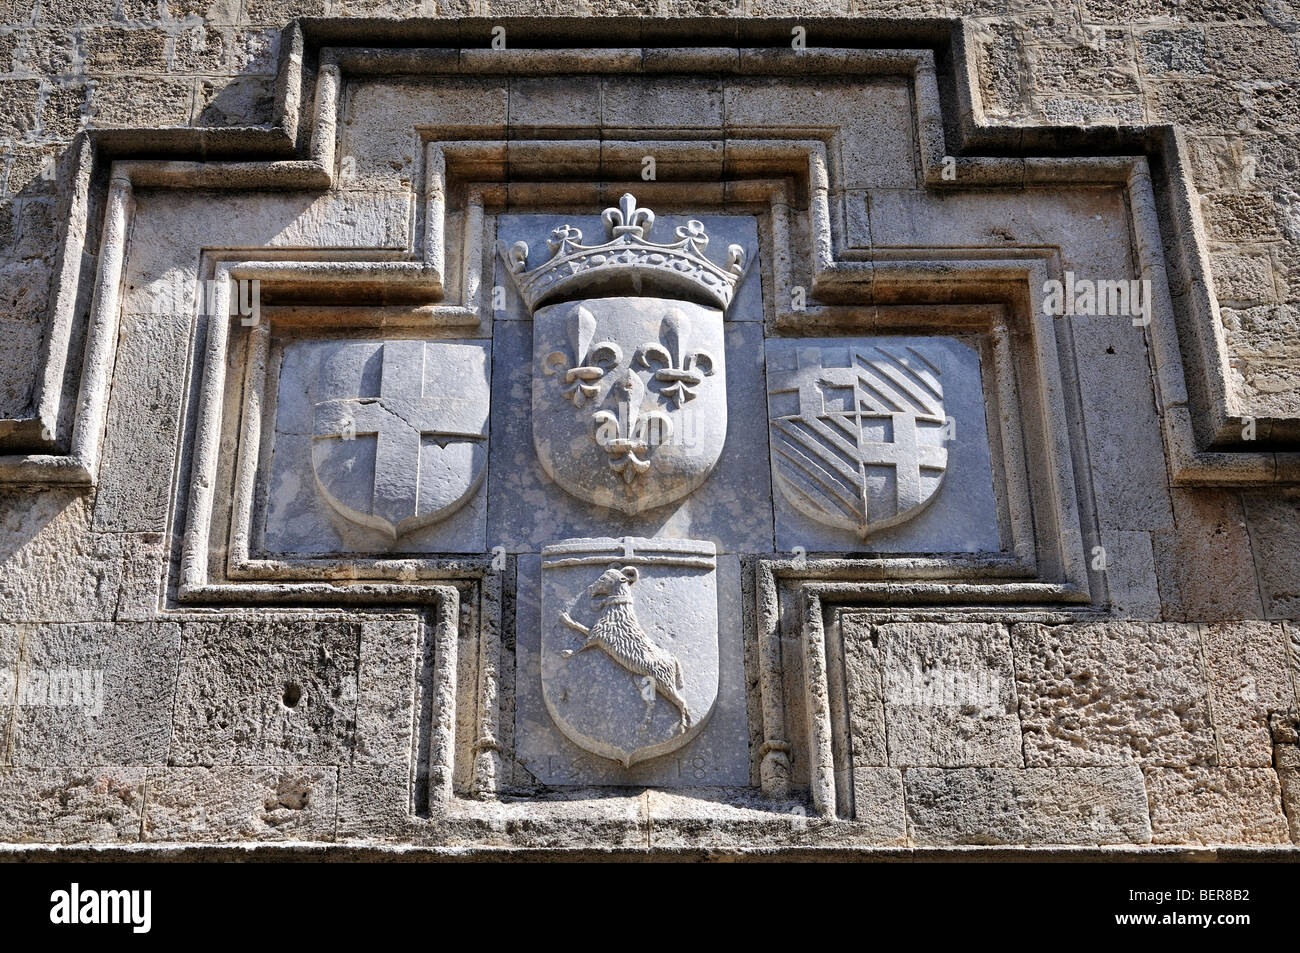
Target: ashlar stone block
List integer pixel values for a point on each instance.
(267, 692)
(1026, 805)
(1110, 693)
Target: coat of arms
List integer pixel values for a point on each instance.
(400, 431)
(629, 372)
(629, 643)
(858, 430)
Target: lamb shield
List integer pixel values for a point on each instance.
(629, 643)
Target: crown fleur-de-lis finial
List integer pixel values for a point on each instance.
(627, 219)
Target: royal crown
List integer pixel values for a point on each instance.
(628, 263)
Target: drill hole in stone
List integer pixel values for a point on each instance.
(292, 695)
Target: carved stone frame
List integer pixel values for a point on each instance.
(792, 183)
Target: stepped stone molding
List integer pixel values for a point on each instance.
(61, 443)
(740, 650)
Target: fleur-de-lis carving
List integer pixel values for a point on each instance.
(681, 370)
(630, 435)
(736, 259)
(627, 219)
(589, 362)
(563, 234)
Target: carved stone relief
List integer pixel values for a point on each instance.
(631, 412)
(396, 436)
(645, 376)
(868, 434)
(629, 643)
(589, 715)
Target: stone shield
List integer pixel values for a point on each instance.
(858, 430)
(629, 398)
(629, 643)
(400, 430)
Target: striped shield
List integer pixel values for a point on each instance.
(857, 429)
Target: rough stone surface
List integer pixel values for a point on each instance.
(71, 805)
(878, 803)
(96, 694)
(1026, 806)
(945, 694)
(1250, 679)
(266, 693)
(1274, 521)
(1112, 693)
(240, 803)
(1215, 806)
(1204, 563)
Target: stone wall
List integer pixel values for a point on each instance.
(1142, 673)
(1225, 71)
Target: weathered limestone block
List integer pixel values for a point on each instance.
(96, 693)
(240, 803)
(1288, 773)
(51, 567)
(945, 694)
(1249, 678)
(864, 691)
(267, 692)
(1215, 806)
(140, 101)
(1274, 520)
(1125, 450)
(1204, 563)
(950, 696)
(10, 645)
(71, 805)
(672, 101)
(1131, 575)
(720, 819)
(143, 412)
(1107, 693)
(878, 803)
(875, 121)
(386, 671)
(1026, 805)
(375, 125)
(374, 802)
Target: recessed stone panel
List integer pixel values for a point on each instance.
(715, 754)
(880, 445)
(379, 446)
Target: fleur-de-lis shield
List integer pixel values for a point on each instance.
(630, 411)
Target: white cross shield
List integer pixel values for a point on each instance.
(400, 430)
